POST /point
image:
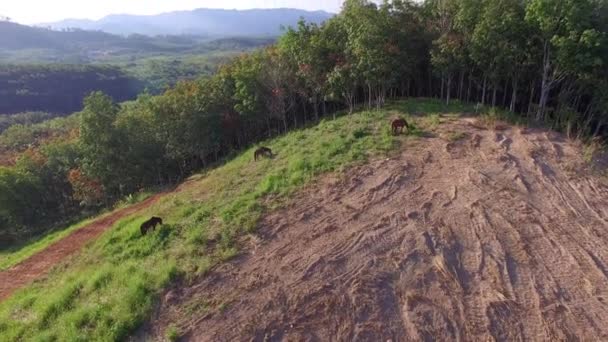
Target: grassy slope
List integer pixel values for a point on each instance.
(12, 256)
(15, 255)
(109, 289)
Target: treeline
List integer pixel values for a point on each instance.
(26, 118)
(543, 59)
(60, 88)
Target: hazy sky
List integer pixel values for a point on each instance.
(40, 11)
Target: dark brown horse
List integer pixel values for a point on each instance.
(262, 151)
(150, 225)
(398, 125)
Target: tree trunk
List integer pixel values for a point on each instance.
(324, 106)
(504, 93)
(461, 86)
(304, 111)
(531, 101)
(545, 83)
(316, 107)
(430, 93)
(513, 95)
(483, 92)
(442, 84)
(449, 89)
(495, 85)
(285, 122)
(598, 128)
(469, 89)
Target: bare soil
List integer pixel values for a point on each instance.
(499, 235)
(38, 265)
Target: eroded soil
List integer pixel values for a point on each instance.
(497, 235)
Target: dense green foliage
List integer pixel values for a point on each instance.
(543, 60)
(60, 88)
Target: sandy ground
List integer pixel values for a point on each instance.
(38, 265)
(500, 235)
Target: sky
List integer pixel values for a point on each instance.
(44, 11)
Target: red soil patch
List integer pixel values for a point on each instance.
(39, 264)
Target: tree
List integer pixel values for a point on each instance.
(566, 35)
(102, 143)
(20, 194)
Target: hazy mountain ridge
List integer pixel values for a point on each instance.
(212, 22)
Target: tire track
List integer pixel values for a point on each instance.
(485, 238)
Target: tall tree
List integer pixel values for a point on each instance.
(565, 33)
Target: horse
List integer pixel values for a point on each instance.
(150, 225)
(398, 125)
(262, 151)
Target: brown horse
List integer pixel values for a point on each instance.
(150, 225)
(398, 125)
(262, 151)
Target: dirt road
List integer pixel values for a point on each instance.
(39, 264)
(500, 235)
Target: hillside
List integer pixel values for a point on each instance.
(466, 227)
(208, 22)
(467, 233)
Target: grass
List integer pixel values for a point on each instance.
(12, 256)
(110, 288)
(496, 118)
(172, 334)
(591, 149)
(455, 136)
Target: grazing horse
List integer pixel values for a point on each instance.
(398, 125)
(262, 151)
(150, 225)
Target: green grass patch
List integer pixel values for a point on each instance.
(12, 256)
(172, 334)
(455, 136)
(109, 289)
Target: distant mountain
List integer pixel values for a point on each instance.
(25, 44)
(209, 22)
(16, 37)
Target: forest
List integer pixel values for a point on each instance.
(542, 60)
(60, 88)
